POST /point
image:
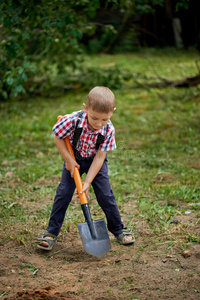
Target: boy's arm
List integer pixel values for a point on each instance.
(93, 170)
(70, 163)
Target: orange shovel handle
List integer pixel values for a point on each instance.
(77, 177)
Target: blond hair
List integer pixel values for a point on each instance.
(101, 99)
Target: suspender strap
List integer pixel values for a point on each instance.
(78, 131)
(100, 140)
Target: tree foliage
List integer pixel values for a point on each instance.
(42, 39)
(38, 34)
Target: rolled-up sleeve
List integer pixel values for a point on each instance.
(65, 126)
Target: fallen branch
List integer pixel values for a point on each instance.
(186, 82)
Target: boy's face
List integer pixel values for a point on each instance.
(96, 120)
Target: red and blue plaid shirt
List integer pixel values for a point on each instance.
(87, 143)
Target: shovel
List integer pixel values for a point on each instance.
(94, 234)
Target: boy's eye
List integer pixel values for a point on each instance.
(96, 119)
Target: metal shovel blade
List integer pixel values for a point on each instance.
(100, 244)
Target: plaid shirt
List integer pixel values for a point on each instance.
(87, 143)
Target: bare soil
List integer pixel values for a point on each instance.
(126, 272)
(149, 269)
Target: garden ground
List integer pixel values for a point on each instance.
(149, 269)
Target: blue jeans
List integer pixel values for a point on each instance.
(103, 192)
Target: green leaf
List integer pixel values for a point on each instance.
(10, 80)
(77, 34)
(20, 70)
(18, 89)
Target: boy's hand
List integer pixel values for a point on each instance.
(85, 188)
(70, 165)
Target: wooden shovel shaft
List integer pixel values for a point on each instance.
(77, 177)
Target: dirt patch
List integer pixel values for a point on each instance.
(48, 293)
(195, 165)
(153, 268)
(163, 179)
(142, 271)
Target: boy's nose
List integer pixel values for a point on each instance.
(99, 124)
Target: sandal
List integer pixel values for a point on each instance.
(121, 237)
(51, 243)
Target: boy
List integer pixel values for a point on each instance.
(96, 136)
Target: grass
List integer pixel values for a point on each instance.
(154, 171)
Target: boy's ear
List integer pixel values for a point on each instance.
(85, 107)
(114, 108)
